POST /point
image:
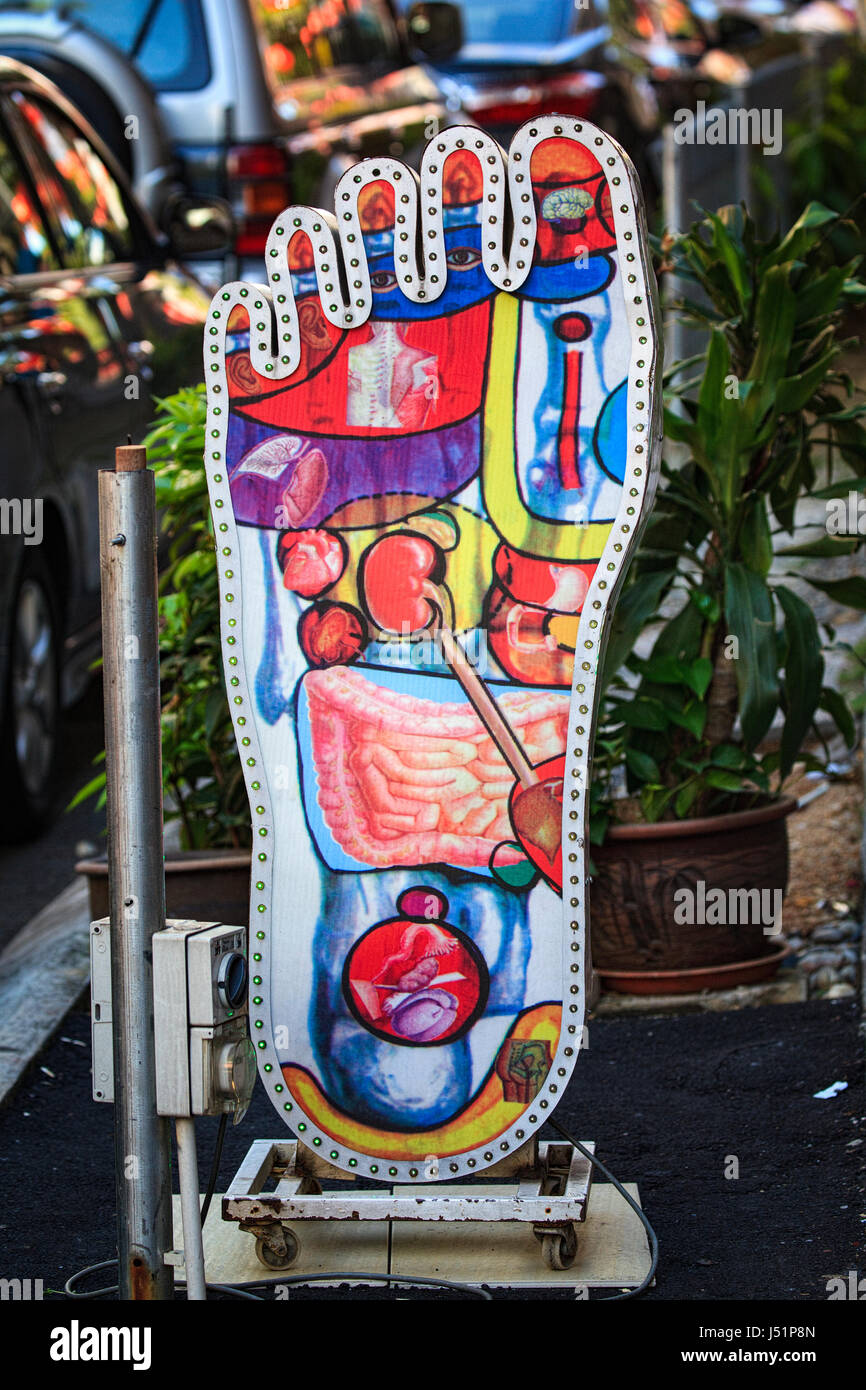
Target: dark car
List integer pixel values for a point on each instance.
(96, 318)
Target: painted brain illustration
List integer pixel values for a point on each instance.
(431, 451)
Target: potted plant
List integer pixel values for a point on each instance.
(202, 779)
(688, 796)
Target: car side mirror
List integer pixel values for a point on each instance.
(435, 29)
(198, 225)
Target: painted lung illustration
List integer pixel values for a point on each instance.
(431, 445)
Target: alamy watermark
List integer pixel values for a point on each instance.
(735, 125)
(22, 516)
(846, 516)
(77, 1343)
(852, 1289)
(21, 1290)
(424, 649)
(717, 907)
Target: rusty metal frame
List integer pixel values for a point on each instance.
(551, 1184)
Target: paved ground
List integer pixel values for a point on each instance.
(32, 874)
(670, 1102)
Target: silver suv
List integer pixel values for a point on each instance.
(264, 102)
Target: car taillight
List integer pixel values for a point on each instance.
(259, 187)
(573, 94)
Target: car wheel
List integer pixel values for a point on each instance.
(31, 707)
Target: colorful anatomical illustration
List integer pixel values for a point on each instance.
(431, 448)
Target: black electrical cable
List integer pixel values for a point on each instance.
(653, 1238)
(69, 1287)
(215, 1167)
(353, 1276)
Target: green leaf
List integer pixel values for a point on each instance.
(638, 604)
(654, 800)
(729, 249)
(683, 431)
(699, 675)
(824, 548)
(706, 604)
(693, 718)
(834, 704)
(749, 614)
(840, 489)
(728, 755)
(756, 543)
(796, 391)
(686, 798)
(804, 673)
(851, 591)
(803, 235)
(718, 423)
(774, 325)
(644, 767)
(642, 713)
(681, 636)
(664, 670)
(91, 788)
(822, 294)
(723, 781)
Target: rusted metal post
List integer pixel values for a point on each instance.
(130, 646)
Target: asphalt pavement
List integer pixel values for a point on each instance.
(754, 1186)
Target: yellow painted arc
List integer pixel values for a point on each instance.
(483, 1120)
(555, 540)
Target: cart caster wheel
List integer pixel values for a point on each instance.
(269, 1257)
(559, 1248)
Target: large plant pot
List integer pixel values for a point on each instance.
(640, 871)
(208, 885)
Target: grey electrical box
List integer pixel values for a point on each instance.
(199, 1015)
(204, 1060)
(100, 1011)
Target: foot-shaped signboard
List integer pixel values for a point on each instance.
(431, 443)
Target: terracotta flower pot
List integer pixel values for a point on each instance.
(209, 885)
(652, 903)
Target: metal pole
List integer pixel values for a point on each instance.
(133, 760)
(193, 1245)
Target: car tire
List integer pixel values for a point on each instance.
(30, 727)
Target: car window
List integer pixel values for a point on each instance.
(172, 54)
(312, 37)
(82, 200)
(517, 22)
(166, 39)
(25, 248)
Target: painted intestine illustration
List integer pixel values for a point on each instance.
(426, 439)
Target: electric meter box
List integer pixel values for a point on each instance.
(199, 1015)
(201, 1044)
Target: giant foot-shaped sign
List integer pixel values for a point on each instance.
(431, 443)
